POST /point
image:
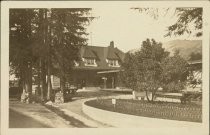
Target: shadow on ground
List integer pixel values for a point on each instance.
(18, 120)
(74, 122)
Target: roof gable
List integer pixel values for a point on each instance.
(88, 53)
(100, 54)
(112, 53)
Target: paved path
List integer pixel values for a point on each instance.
(64, 115)
(36, 116)
(19, 120)
(74, 109)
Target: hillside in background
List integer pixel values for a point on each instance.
(186, 47)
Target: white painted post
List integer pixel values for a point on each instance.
(134, 94)
(114, 102)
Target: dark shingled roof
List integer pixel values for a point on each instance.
(100, 54)
(88, 53)
(112, 53)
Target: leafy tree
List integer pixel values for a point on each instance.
(143, 68)
(188, 19)
(151, 67)
(174, 73)
(127, 77)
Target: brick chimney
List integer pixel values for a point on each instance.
(112, 44)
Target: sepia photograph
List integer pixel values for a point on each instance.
(111, 65)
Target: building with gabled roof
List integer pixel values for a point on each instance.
(100, 58)
(98, 67)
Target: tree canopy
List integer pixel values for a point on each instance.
(45, 40)
(151, 68)
(188, 19)
(174, 73)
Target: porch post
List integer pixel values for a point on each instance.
(104, 78)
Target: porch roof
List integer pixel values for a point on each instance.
(195, 62)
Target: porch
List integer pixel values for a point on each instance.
(110, 81)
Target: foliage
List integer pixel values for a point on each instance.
(149, 66)
(143, 69)
(152, 67)
(47, 36)
(174, 73)
(195, 71)
(68, 34)
(189, 19)
(195, 56)
(20, 37)
(128, 77)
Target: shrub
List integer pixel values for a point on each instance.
(174, 87)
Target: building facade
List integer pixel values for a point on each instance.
(98, 67)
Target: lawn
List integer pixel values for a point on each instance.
(173, 111)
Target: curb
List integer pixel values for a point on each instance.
(92, 123)
(86, 121)
(131, 121)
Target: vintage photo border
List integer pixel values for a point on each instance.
(6, 5)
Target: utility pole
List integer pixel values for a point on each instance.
(91, 33)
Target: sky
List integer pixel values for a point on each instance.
(127, 27)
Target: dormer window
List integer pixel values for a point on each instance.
(90, 62)
(113, 63)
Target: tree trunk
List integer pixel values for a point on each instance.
(39, 78)
(43, 79)
(147, 96)
(43, 62)
(21, 82)
(62, 83)
(153, 94)
(48, 44)
(60, 96)
(23, 95)
(49, 84)
(27, 83)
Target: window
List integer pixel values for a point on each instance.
(113, 63)
(90, 62)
